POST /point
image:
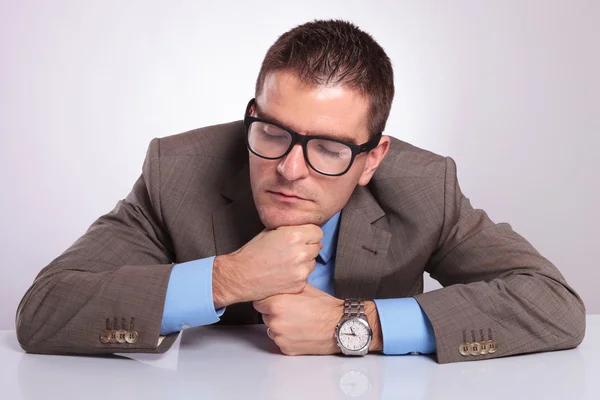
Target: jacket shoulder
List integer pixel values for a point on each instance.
(404, 160)
(223, 141)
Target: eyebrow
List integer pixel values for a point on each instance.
(271, 118)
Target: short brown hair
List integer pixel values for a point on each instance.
(335, 52)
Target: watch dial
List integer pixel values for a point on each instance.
(354, 334)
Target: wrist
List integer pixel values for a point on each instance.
(222, 282)
(337, 312)
(373, 317)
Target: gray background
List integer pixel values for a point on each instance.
(510, 89)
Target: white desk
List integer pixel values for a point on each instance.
(242, 363)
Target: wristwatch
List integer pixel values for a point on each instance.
(353, 333)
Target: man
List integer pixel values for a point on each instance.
(269, 218)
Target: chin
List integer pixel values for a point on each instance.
(274, 218)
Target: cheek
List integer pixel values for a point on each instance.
(260, 169)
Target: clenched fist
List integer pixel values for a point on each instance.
(274, 262)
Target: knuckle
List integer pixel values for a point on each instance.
(301, 286)
(301, 255)
(284, 346)
(275, 308)
(275, 326)
(319, 232)
(300, 283)
(264, 306)
(270, 309)
(280, 343)
(288, 351)
(315, 250)
(294, 236)
(301, 274)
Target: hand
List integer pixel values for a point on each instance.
(302, 323)
(274, 262)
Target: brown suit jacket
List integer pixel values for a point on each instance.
(193, 200)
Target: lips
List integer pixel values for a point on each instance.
(282, 195)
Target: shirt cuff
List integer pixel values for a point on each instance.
(405, 327)
(189, 301)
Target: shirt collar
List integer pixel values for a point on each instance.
(330, 233)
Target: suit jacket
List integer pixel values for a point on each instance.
(194, 200)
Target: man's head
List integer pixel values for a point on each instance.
(324, 78)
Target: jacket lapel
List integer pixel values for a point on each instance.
(237, 223)
(362, 247)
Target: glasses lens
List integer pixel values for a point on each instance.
(268, 140)
(329, 156)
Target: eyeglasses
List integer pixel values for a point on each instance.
(325, 155)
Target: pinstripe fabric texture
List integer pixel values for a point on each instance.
(194, 200)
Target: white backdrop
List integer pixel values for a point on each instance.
(509, 88)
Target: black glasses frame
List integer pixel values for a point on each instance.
(304, 139)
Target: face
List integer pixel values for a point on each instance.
(287, 191)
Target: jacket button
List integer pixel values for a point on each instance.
(485, 348)
(464, 349)
(475, 349)
(121, 336)
(131, 337)
(105, 336)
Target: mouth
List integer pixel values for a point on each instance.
(286, 196)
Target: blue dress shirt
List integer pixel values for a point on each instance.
(189, 302)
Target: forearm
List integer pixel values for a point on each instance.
(497, 287)
(66, 311)
(522, 313)
(118, 269)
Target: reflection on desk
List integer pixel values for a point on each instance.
(241, 362)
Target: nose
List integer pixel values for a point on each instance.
(293, 166)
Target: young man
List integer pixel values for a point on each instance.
(305, 217)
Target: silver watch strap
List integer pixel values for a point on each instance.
(354, 308)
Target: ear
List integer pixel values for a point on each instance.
(374, 158)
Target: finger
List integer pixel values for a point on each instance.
(267, 319)
(309, 233)
(309, 265)
(261, 306)
(313, 233)
(313, 250)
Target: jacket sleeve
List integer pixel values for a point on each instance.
(118, 271)
(497, 288)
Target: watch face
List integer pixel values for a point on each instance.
(354, 334)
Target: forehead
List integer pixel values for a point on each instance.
(336, 111)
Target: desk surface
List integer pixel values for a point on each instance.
(242, 363)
